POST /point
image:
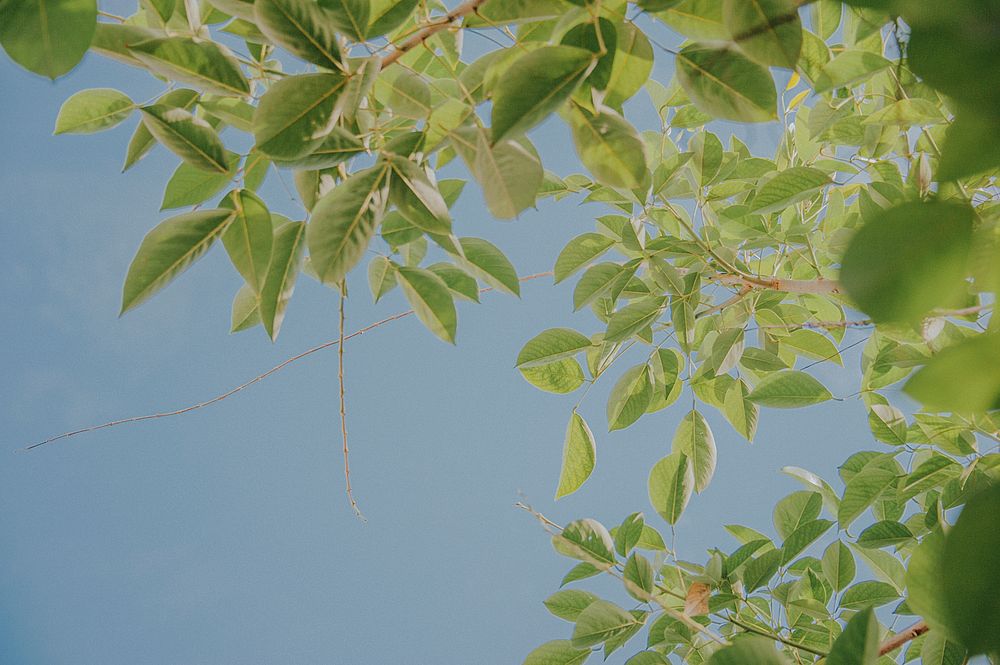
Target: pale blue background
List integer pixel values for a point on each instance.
(224, 536)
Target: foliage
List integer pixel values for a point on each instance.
(715, 271)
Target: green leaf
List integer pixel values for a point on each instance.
(725, 84)
(767, 31)
(639, 577)
(170, 249)
(387, 15)
(249, 237)
(858, 644)
(246, 313)
(596, 280)
(297, 113)
(671, 481)
(190, 138)
(203, 64)
(788, 389)
(142, 141)
(804, 536)
(884, 534)
(628, 535)
(908, 260)
(795, 510)
(932, 472)
(190, 185)
(557, 652)
(93, 110)
(569, 603)
(417, 198)
(631, 67)
(302, 27)
(351, 16)
(971, 146)
(694, 439)
(580, 251)
(601, 621)
(536, 84)
(758, 572)
(630, 397)
(972, 573)
(287, 251)
(862, 490)
(47, 37)
(648, 658)
(868, 594)
(510, 172)
(788, 187)
(849, 68)
(459, 282)
(343, 223)
(633, 318)
(588, 541)
(756, 650)
(551, 345)
(964, 378)
(560, 377)
(112, 40)
(487, 261)
(381, 277)
(741, 413)
(579, 454)
(610, 148)
(838, 565)
(431, 300)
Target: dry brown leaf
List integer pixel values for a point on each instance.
(696, 602)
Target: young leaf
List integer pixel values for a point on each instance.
(727, 85)
(671, 481)
(862, 490)
(632, 318)
(694, 439)
(910, 259)
(246, 313)
(203, 64)
(536, 84)
(552, 345)
(387, 15)
(569, 603)
(190, 185)
(588, 541)
(190, 138)
(579, 454)
(45, 36)
(756, 650)
(559, 377)
(381, 277)
(509, 171)
(170, 249)
(92, 111)
(838, 565)
(302, 27)
(142, 141)
(297, 113)
(249, 237)
(788, 389)
(287, 251)
(788, 187)
(431, 300)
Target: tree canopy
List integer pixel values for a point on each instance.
(715, 280)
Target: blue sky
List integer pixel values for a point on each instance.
(224, 536)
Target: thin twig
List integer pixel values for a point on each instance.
(251, 382)
(422, 35)
(774, 636)
(343, 408)
(901, 638)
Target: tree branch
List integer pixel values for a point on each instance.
(343, 408)
(901, 638)
(435, 26)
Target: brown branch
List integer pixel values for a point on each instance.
(432, 28)
(901, 638)
(257, 379)
(822, 286)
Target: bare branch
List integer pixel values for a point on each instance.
(257, 379)
(901, 638)
(343, 408)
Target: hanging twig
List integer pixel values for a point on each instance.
(343, 407)
(257, 379)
